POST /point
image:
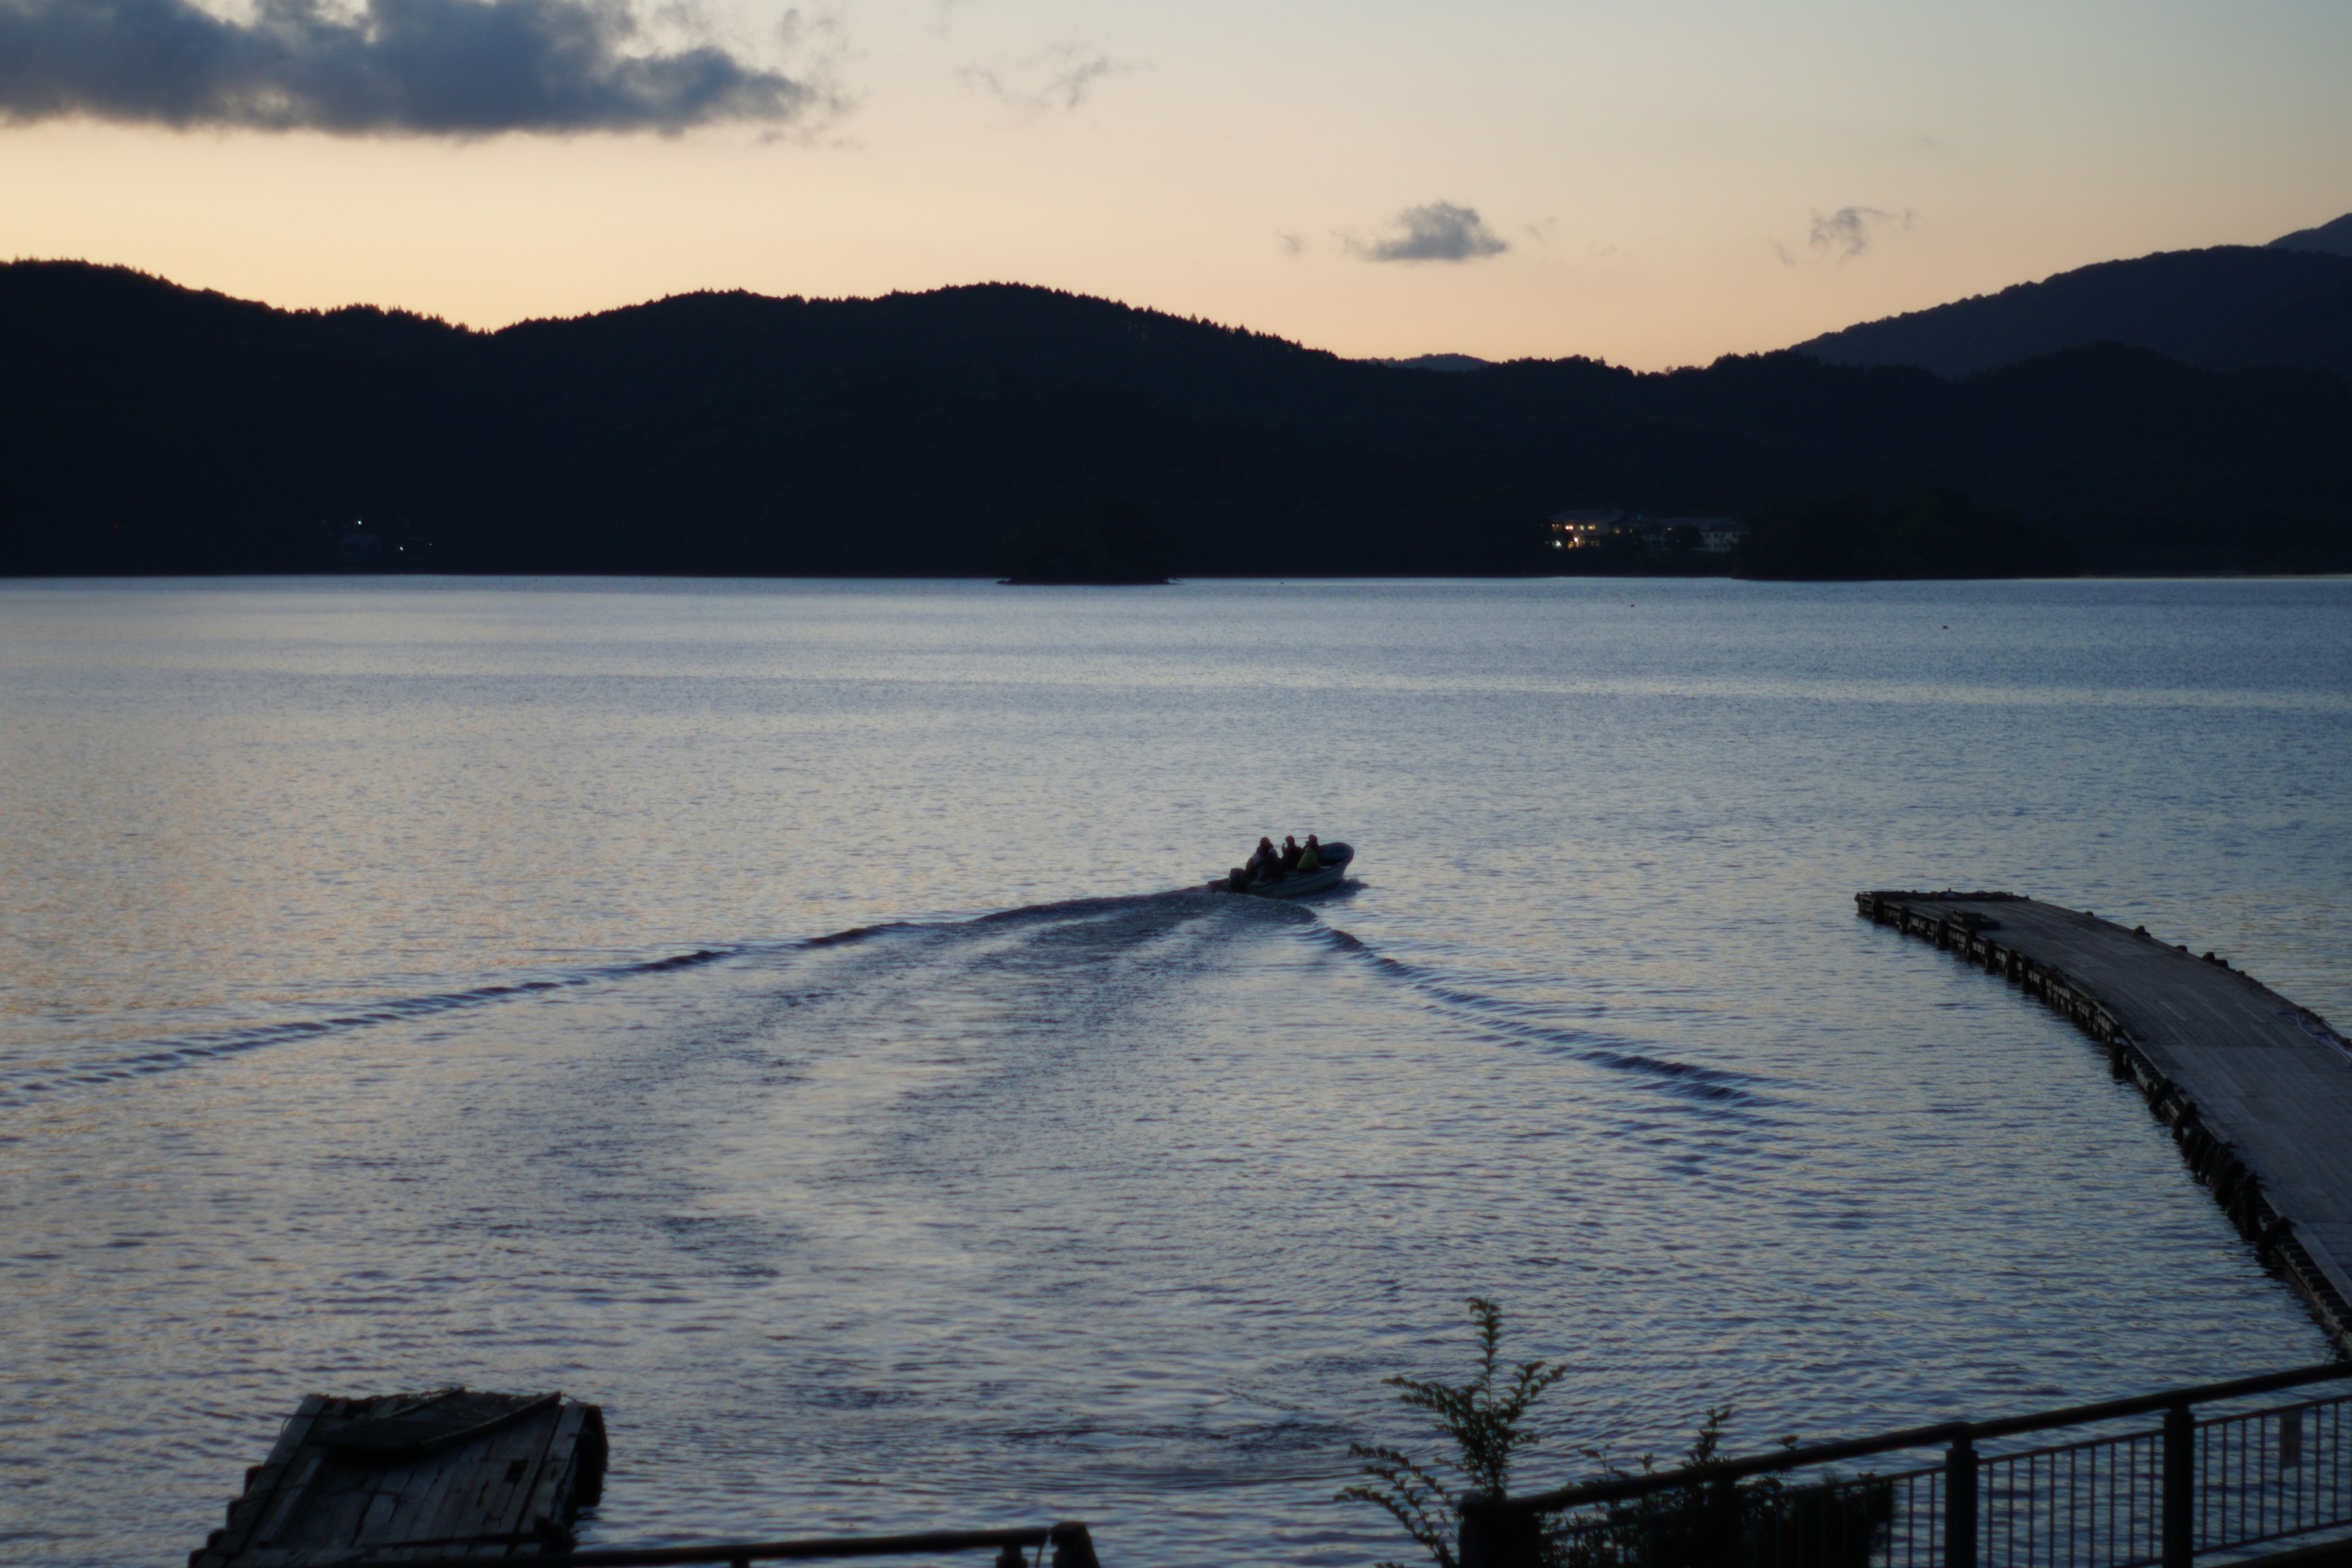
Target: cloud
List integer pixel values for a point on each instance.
(414, 68)
(1057, 82)
(1292, 244)
(1437, 232)
(1848, 232)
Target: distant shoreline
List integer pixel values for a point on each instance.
(979, 580)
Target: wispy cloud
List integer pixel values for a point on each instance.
(1849, 231)
(1060, 80)
(1439, 231)
(417, 67)
(1292, 244)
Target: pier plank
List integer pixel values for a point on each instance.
(2258, 1091)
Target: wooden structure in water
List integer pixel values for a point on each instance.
(2257, 1090)
(447, 1474)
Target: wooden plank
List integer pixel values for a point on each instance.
(2259, 1090)
(508, 1480)
(300, 1477)
(544, 1500)
(457, 1417)
(450, 1508)
(336, 1505)
(477, 1490)
(261, 1487)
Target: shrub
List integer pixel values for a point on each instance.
(1488, 1426)
(1707, 1521)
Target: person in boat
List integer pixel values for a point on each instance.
(1310, 859)
(1262, 861)
(1290, 853)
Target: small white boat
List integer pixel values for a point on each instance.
(1337, 859)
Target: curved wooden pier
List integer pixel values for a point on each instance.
(2257, 1091)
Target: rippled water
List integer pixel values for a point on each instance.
(776, 1012)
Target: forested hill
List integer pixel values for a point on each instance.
(152, 428)
(2228, 308)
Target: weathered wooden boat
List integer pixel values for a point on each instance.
(1337, 859)
(454, 1472)
(454, 1476)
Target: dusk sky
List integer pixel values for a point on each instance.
(1653, 183)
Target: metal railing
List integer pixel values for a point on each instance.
(2121, 1497)
(1073, 1548)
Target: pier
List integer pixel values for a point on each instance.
(2256, 1090)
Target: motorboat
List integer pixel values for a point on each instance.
(1337, 859)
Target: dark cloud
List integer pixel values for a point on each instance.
(1438, 231)
(1847, 232)
(431, 68)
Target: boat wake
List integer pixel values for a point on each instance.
(1503, 1021)
(1070, 934)
(26, 1083)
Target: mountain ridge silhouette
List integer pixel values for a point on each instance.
(149, 428)
(2224, 307)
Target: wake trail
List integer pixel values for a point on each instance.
(25, 1086)
(1499, 1019)
(1043, 938)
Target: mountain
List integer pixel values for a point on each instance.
(2335, 238)
(2228, 309)
(146, 427)
(1437, 361)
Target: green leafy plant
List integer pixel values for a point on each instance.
(1485, 1420)
(1708, 1521)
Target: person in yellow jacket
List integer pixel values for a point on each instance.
(1311, 857)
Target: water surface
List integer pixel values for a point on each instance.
(778, 1012)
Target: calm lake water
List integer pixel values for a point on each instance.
(332, 1056)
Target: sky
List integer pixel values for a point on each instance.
(1653, 183)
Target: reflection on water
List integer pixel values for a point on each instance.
(342, 1048)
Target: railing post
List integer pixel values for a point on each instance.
(1495, 1537)
(2180, 1485)
(1960, 1503)
(1723, 1522)
(1073, 1547)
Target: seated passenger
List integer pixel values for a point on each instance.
(1311, 857)
(1261, 859)
(1290, 853)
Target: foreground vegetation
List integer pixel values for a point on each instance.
(1705, 1522)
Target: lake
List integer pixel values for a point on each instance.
(978, 1166)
